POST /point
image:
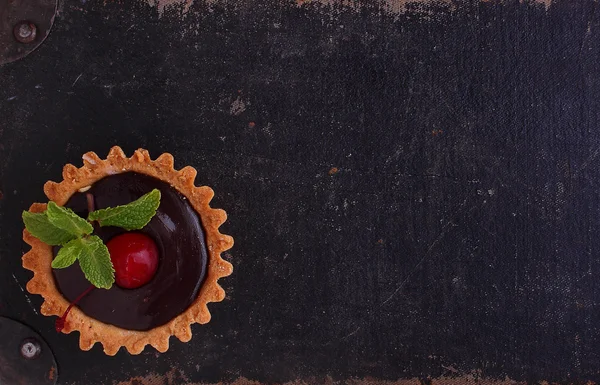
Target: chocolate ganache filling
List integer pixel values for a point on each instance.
(177, 230)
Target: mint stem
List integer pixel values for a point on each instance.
(90, 202)
(91, 206)
(60, 322)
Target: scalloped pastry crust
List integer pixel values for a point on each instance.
(39, 258)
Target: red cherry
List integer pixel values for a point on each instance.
(135, 258)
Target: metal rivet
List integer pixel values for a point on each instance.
(30, 348)
(25, 32)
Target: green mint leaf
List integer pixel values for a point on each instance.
(40, 227)
(132, 216)
(67, 220)
(68, 254)
(95, 262)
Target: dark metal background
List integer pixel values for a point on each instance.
(12, 12)
(412, 195)
(15, 369)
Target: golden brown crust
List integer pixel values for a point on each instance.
(39, 258)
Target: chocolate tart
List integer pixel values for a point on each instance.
(186, 230)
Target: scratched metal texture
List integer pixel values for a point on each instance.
(413, 196)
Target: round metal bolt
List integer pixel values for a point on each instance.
(30, 348)
(25, 32)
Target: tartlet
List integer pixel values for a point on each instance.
(91, 329)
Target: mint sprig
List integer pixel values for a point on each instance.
(60, 226)
(40, 227)
(95, 263)
(65, 219)
(132, 216)
(67, 255)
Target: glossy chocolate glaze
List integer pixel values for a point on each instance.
(177, 231)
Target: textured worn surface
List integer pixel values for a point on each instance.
(412, 196)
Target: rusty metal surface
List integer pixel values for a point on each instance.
(15, 41)
(25, 358)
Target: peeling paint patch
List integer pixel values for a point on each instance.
(392, 6)
(237, 107)
(162, 5)
(175, 378)
(171, 379)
